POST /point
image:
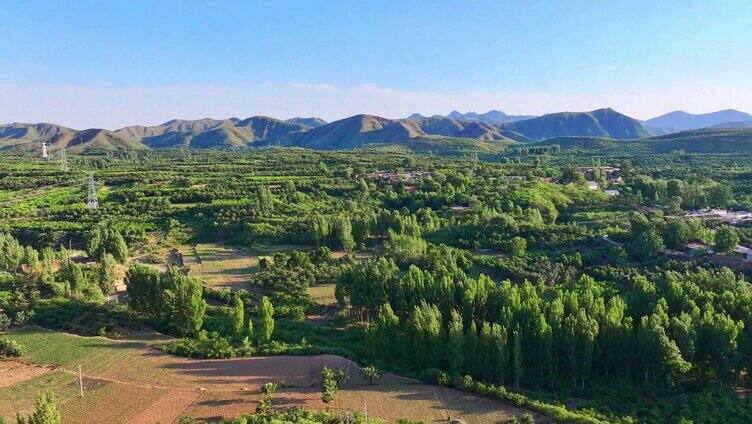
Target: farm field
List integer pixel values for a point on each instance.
(219, 266)
(132, 382)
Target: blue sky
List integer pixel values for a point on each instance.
(109, 64)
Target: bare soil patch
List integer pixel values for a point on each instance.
(16, 372)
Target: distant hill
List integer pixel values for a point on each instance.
(694, 141)
(448, 127)
(733, 125)
(598, 123)
(29, 137)
(311, 122)
(360, 130)
(33, 132)
(682, 121)
(211, 133)
(97, 138)
(355, 131)
(494, 117)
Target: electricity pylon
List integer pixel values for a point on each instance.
(91, 200)
(64, 161)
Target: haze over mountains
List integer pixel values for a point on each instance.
(493, 127)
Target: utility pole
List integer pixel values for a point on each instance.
(80, 381)
(91, 201)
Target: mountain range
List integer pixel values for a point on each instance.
(490, 117)
(354, 131)
(682, 121)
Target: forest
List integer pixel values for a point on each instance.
(608, 287)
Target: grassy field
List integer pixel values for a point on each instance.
(132, 382)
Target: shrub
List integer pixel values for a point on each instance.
(10, 348)
(205, 346)
(331, 381)
(371, 373)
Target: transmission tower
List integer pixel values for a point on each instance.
(91, 200)
(64, 161)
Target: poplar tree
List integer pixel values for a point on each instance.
(238, 316)
(455, 343)
(516, 357)
(265, 320)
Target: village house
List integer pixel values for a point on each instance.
(592, 185)
(731, 217)
(744, 252)
(698, 246)
(612, 173)
(408, 177)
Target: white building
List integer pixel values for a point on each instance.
(731, 217)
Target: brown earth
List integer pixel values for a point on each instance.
(16, 372)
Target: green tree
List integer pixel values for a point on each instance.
(726, 238)
(118, 247)
(142, 283)
(249, 330)
(265, 320)
(674, 188)
(517, 246)
(719, 195)
(646, 245)
(455, 343)
(183, 297)
(45, 411)
(383, 332)
(238, 316)
(676, 234)
(342, 233)
(107, 277)
(517, 359)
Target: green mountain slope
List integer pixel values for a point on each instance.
(598, 123)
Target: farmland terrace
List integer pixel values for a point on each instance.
(131, 382)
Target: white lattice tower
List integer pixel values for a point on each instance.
(64, 161)
(91, 200)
